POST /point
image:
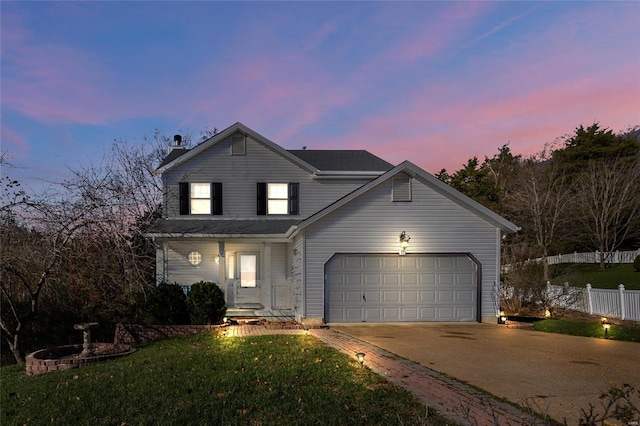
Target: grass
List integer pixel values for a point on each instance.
(579, 274)
(589, 329)
(204, 379)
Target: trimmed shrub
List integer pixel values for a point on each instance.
(636, 263)
(206, 303)
(166, 304)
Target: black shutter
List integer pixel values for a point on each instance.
(262, 199)
(294, 203)
(184, 198)
(216, 198)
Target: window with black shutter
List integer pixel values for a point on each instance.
(216, 198)
(294, 199)
(184, 197)
(262, 199)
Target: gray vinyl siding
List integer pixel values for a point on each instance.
(296, 264)
(281, 293)
(372, 223)
(182, 272)
(239, 175)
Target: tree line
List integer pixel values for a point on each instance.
(580, 193)
(76, 251)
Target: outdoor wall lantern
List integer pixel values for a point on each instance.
(404, 243)
(217, 259)
(360, 356)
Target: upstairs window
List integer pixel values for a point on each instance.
(200, 198)
(278, 198)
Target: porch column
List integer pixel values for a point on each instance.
(266, 275)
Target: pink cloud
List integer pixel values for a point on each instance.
(13, 142)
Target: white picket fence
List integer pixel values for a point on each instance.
(620, 303)
(592, 257)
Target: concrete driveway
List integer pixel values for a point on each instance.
(556, 374)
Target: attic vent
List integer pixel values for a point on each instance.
(238, 145)
(401, 189)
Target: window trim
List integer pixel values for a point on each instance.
(215, 198)
(293, 199)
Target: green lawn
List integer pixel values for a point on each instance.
(204, 379)
(589, 329)
(579, 274)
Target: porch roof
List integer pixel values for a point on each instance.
(219, 227)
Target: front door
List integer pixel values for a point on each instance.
(247, 284)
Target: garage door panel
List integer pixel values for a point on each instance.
(465, 313)
(337, 297)
(409, 314)
(445, 279)
(390, 297)
(409, 296)
(464, 296)
(372, 314)
(353, 279)
(390, 279)
(446, 296)
(371, 263)
(392, 288)
(447, 262)
(427, 296)
(428, 314)
(372, 297)
(427, 279)
(372, 280)
(353, 296)
(408, 279)
(353, 314)
(353, 263)
(407, 263)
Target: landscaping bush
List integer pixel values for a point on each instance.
(206, 303)
(166, 304)
(636, 263)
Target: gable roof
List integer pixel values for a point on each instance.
(429, 180)
(225, 134)
(175, 153)
(342, 160)
(321, 163)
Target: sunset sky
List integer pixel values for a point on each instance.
(432, 82)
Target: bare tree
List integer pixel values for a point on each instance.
(539, 199)
(608, 203)
(36, 234)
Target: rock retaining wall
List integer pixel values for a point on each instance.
(68, 357)
(131, 334)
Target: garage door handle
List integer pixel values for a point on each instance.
(364, 298)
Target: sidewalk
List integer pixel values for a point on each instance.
(446, 395)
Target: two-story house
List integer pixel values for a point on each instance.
(325, 235)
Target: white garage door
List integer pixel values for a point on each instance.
(393, 288)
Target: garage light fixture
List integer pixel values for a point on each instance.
(404, 243)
